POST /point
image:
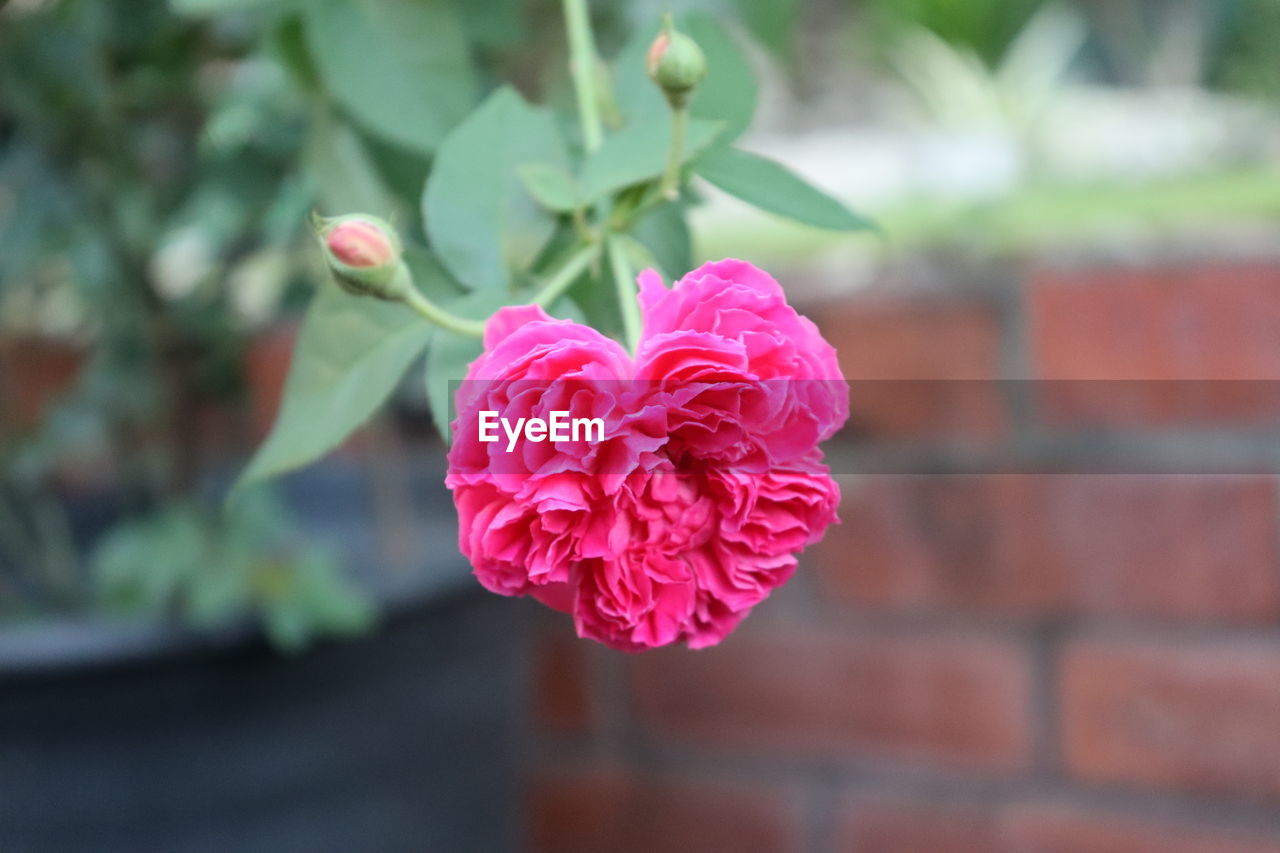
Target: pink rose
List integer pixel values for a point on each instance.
(525, 517)
(533, 365)
(640, 593)
(756, 381)
(739, 304)
(707, 481)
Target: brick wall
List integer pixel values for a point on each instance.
(1048, 623)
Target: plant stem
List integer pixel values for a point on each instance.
(581, 225)
(550, 291)
(565, 276)
(624, 279)
(671, 177)
(582, 67)
(433, 313)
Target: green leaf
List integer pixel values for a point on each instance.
(431, 279)
(403, 173)
(639, 99)
(350, 354)
(553, 187)
(345, 175)
(447, 361)
(596, 296)
(449, 355)
(665, 233)
(565, 308)
(641, 258)
(289, 43)
(400, 67)
(313, 598)
(480, 219)
(493, 23)
(217, 7)
(772, 23)
(727, 93)
(218, 592)
(259, 517)
(142, 565)
(639, 153)
(772, 187)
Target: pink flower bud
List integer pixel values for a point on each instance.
(359, 243)
(364, 255)
(676, 64)
(656, 50)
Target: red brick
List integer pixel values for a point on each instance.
(922, 542)
(1038, 827)
(1193, 717)
(1191, 322)
(561, 693)
(596, 811)
(958, 701)
(1187, 548)
(918, 367)
(917, 827)
(1056, 829)
(1161, 403)
(1195, 324)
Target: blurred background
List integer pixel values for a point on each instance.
(1048, 621)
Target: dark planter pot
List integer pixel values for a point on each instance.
(142, 739)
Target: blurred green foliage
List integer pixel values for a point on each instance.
(984, 27)
(1227, 45)
(149, 188)
(1245, 58)
(208, 571)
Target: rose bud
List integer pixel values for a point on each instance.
(676, 64)
(363, 253)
